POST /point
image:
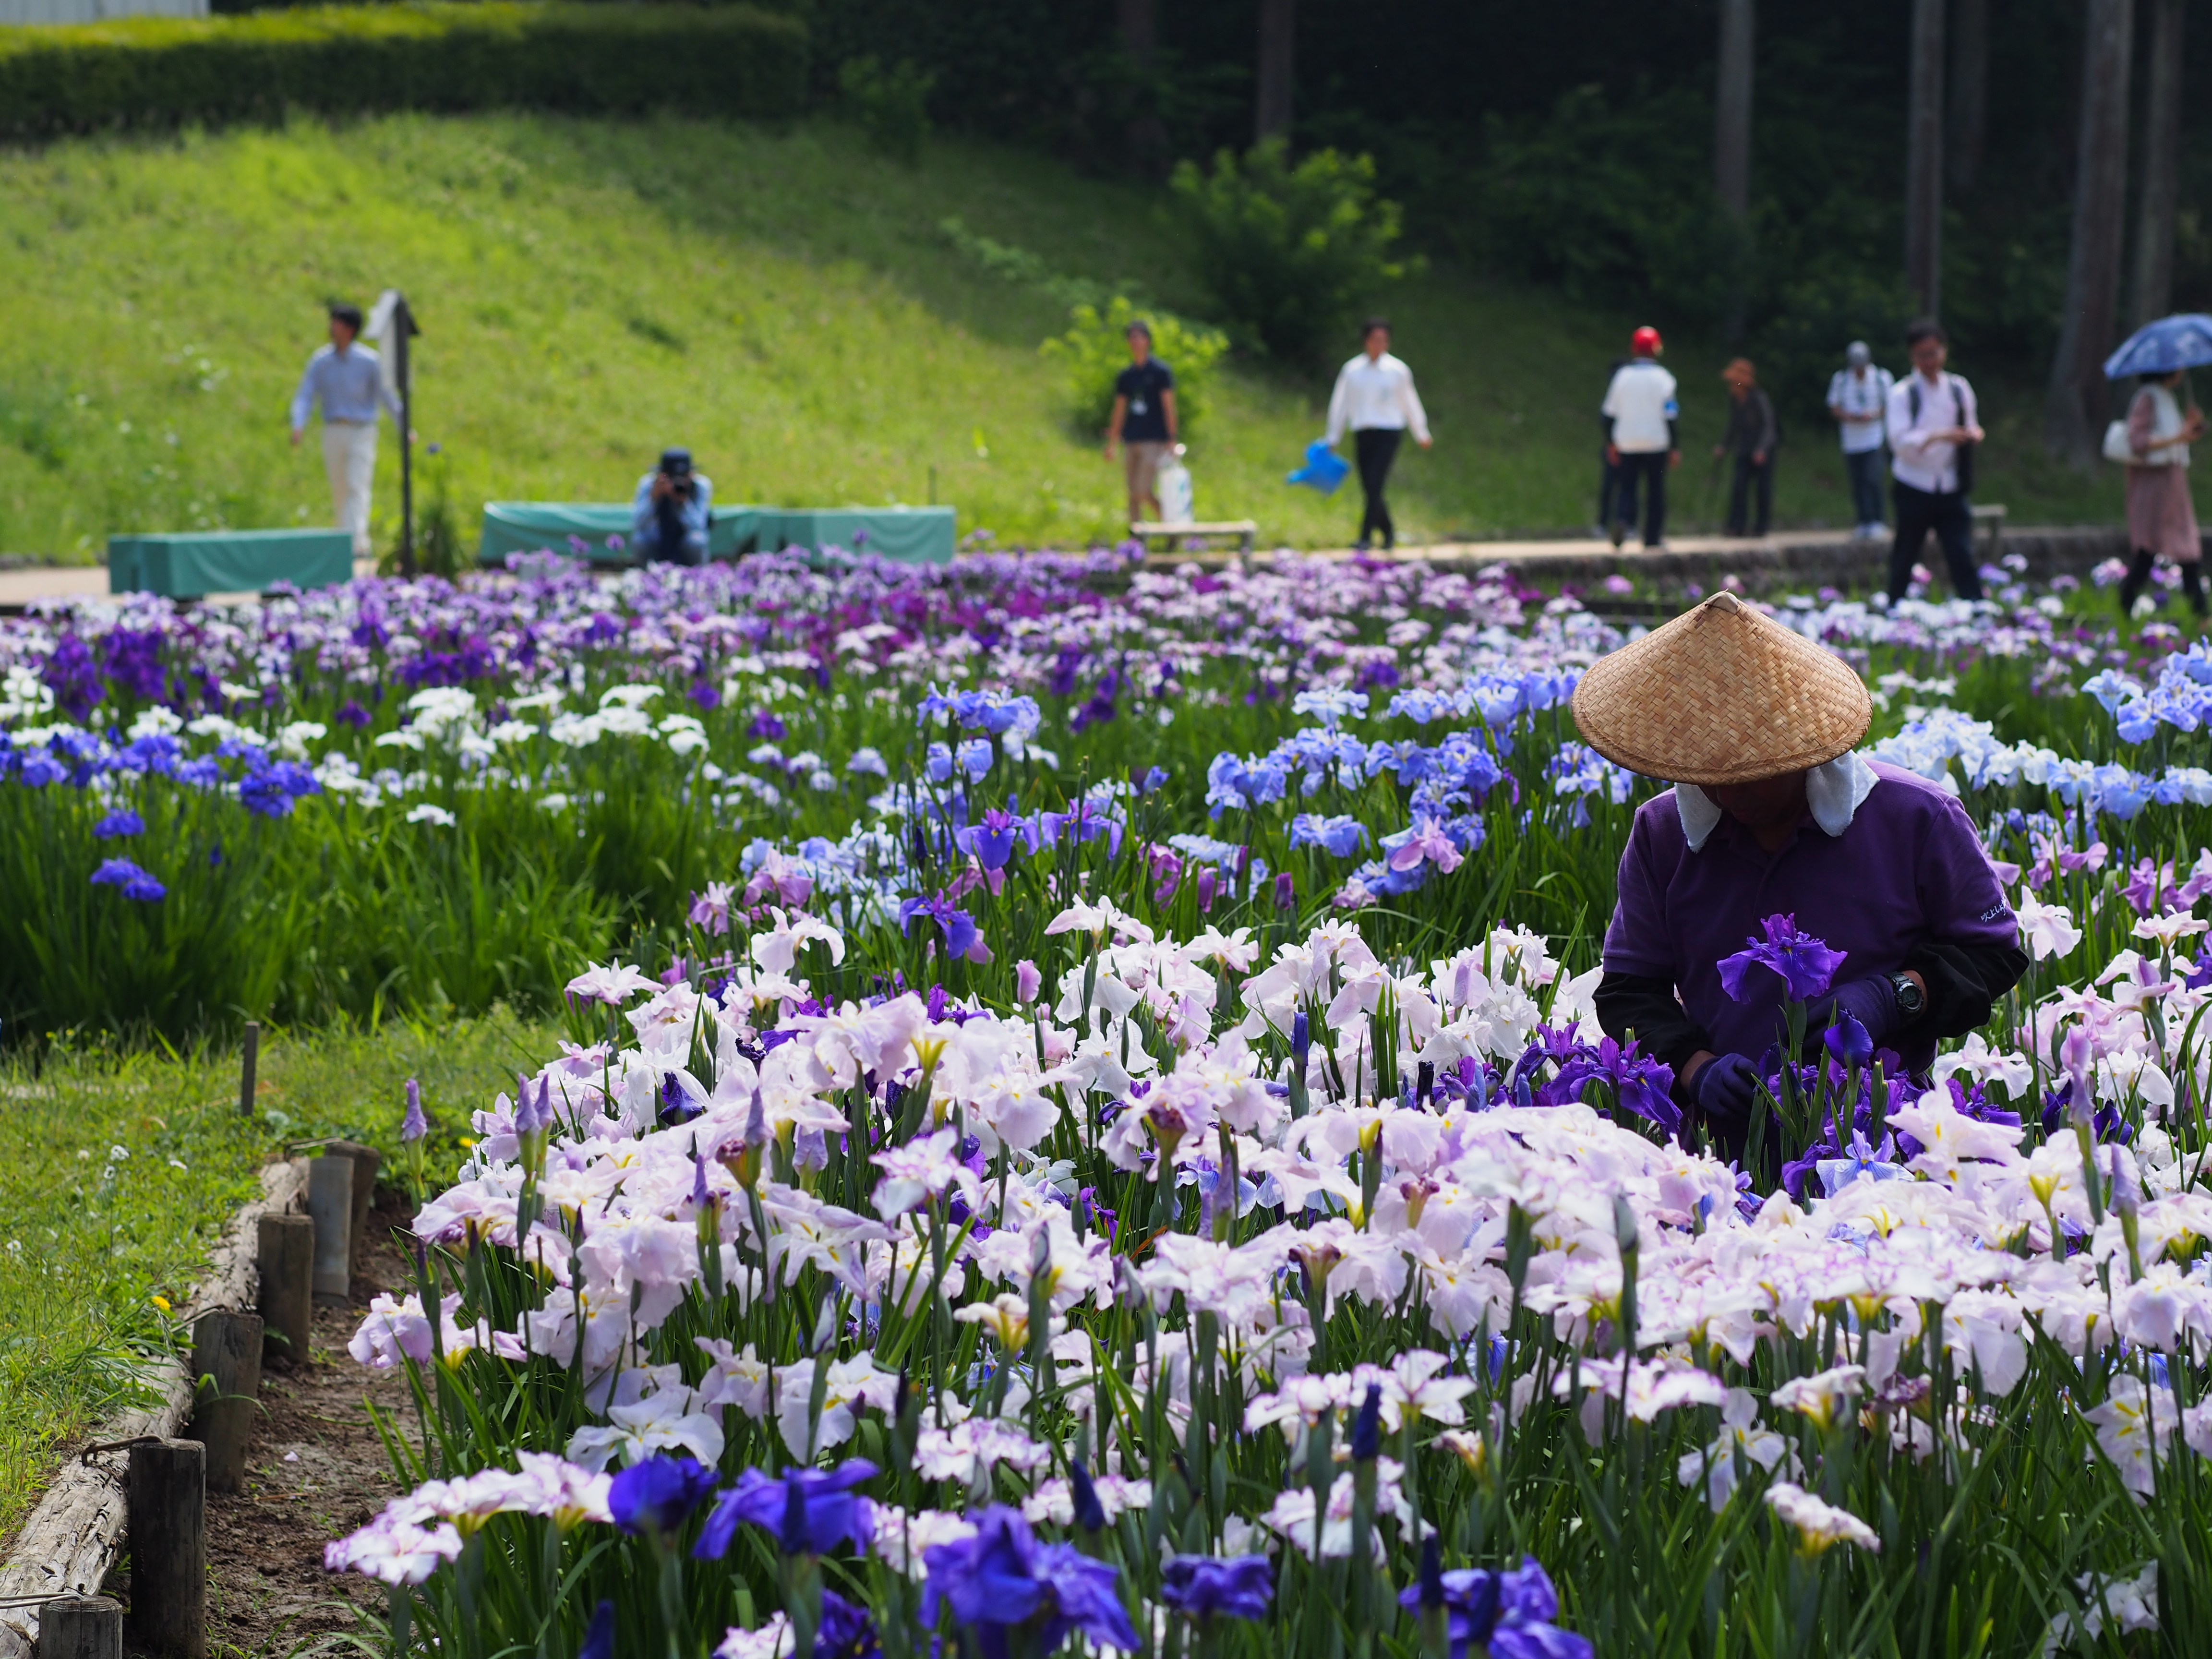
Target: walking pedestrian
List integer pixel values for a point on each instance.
(345, 378)
(1934, 424)
(1858, 397)
(1643, 440)
(2161, 518)
(1374, 398)
(1608, 475)
(1752, 438)
(1144, 421)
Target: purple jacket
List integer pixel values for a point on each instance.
(1908, 870)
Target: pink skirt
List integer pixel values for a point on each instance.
(2161, 518)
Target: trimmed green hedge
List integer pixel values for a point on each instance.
(731, 60)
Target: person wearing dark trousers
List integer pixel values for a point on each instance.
(1642, 440)
(1858, 397)
(1934, 424)
(1753, 436)
(1608, 474)
(1375, 399)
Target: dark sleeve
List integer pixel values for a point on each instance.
(1167, 377)
(1966, 981)
(1767, 435)
(1673, 435)
(1649, 1007)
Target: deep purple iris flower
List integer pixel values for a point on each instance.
(600, 1639)
(659, 1494)
(135, 882)
(992, 840)
(1206, 1586)
(810, 1511)
(1507, 1614)
(1805, 963)
(1848, 1041)
(845, 1631)
(961, 937)
(1002, 1579)
(1645, 1086)
(121, 821)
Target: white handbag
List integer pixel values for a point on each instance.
(2117, 447)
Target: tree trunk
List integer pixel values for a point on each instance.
(2161, 175)
(1277, 40)
(1970, 94)
(1923, 164)
(1732, 110)
(2077, 396)
(1147, 134)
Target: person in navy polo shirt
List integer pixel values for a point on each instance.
(1772, 814)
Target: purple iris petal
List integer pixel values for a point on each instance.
(658, 1494)
(1806, 964)
(810, 1511)
(1205, 1586)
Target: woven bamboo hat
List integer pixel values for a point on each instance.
(1720, 695)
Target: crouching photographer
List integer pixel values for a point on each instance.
(670, 516)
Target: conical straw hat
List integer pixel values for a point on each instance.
(1720, 695)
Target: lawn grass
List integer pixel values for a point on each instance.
(780, 298)
(90, 1236)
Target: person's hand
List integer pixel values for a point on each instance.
(1673, 457)
(295, 437)
(1724, 1090)
(1611, 455)
(660, 486)
(1871, 1001)
(1110, 448)
(1719, 450)
(1759, 458)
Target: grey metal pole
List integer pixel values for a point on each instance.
(403, 324)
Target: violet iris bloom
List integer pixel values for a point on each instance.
(135, 882)
(414, 1126)
(992, 840)
(1507, 1614)
(961, 937)
(845, 1631)
(657, 1495)
(1805, 963)
(121, 821)
(600, 1639)
(1002, 1579)
(810, 1511)
(1426, 840)
(1642, 1084)
(1205, 1586)
(1342, 835)
(1847, 1040)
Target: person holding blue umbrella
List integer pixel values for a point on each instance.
(2152, 442)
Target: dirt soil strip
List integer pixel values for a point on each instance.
(315, 1470)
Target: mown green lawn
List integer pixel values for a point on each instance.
(124, 1165)
(780, 298)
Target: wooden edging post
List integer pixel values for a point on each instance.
(226, 1376)
(168, 1549)
(81, 1627)
(286, 1254)
(329, 1205)
(249, 1065)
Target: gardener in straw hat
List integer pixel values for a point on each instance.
(1772, 814)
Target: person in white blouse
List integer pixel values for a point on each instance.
(1858, 397)
(1374, 398)
(1934, 424)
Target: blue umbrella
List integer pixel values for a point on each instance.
(1324, 469)
(2160, 348)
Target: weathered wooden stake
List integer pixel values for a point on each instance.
(168, 1549)
(249, 1063)
(329, 1205)
(288, 1286)
(366, 1161)
(226, 1369)
(81, 1627)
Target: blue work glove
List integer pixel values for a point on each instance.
(1872, 1001)
(1724, 1090)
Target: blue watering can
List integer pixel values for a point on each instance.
(1324, 469)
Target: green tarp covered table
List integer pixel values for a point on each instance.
(192, 565)
(529, 526)
(921, 534)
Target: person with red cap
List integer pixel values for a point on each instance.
(1643, 440)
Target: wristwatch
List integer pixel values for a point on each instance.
(1911, 1000)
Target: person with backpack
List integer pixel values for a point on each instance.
(1753, 436)
(2161, 518)
(1934, 424)
(1858, 397)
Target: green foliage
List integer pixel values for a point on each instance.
(891, 104)
(1288, 253)
(423, 55)
(1096, 349)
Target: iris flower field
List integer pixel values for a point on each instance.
(1081, 1124)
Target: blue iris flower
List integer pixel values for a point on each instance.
(121, 821)
(658, 1494)
(1003, 1580)
(809, 1511)
(1205, 1586)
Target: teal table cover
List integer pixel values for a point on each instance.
(532, 526)
(923, 534)
(188, 566)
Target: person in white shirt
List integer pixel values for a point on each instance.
(1374, 398)
(1858, 397)
(1934, 424)
(345, 378)
(1643, 440)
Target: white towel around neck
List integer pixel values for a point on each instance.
(1832, 792)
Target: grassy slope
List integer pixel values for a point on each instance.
(779, 298)
(88, 1240)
